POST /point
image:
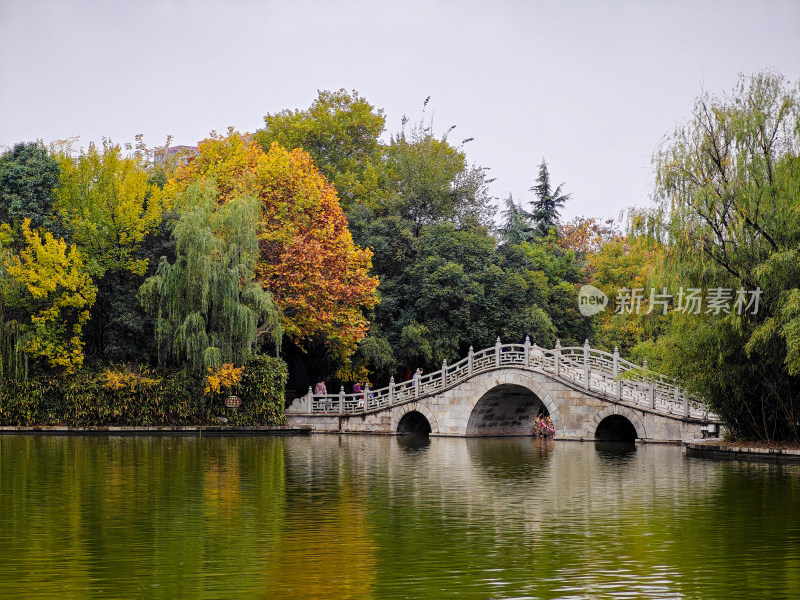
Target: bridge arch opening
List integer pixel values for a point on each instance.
(506, 410)
(414, 423)
(615, 428)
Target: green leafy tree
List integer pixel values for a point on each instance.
(210, 309)
(109, 205)
(340, 131)
(29, 177)
(554, 277)
(728, 182)
(449, 289)
(430, 181)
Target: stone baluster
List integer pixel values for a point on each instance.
(676, 397)
(527, 351)
(618, 383)
(341, 399)
(470, 361)
(366, 396)
(417, 383)
(310, 400)
(685, 401)
(444, 373)
(497, 347)
(651, 390)
(586, 364)
(391, 389)
(557, 358)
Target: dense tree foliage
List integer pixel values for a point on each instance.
(29, 176)
(446, 284)
(618, 266)
(210, 309)
(450, 288)
(428, 217)
(729, 189)
(111, 208)
(340, 131)
(284, 236)
(430, 181)
(307, 258)
(109, 205)
(47, 281)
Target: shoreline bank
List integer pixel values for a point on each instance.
(741, 451)
(156, 429)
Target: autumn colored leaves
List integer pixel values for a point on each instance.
(308, 260)
(102, 231)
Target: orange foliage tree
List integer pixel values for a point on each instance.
(308, 260)
(587, 235)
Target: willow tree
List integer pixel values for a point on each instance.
(729, 187)
(209, 308)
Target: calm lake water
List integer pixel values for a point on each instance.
(380, 517)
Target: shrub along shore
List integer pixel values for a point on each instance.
(125, 397)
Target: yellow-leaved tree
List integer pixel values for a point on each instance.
(48, 281)
(110, 205)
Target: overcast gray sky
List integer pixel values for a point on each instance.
(590, 86)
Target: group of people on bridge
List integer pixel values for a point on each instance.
(321, 389)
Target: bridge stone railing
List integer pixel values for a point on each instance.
(597, 371)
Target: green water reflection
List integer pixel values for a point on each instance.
(375, 517)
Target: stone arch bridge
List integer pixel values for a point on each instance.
(588, 393)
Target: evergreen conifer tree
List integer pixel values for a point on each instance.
(548, 203)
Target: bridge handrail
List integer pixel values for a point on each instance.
(590, 368)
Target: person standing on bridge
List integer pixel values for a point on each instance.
(357, 390)
(415, 378)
